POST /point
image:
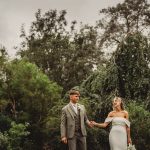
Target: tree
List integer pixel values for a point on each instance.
(85, 56)
(3, 101)
(66, 56)
(132, 59)
(140, 124)
(127, 72)
(3, 55)
(30, 96)
(126, 75)
(13, 139)
(127, 17)
(3, 60)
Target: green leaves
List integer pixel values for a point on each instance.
(126, 17)
(132, 60)
(140, 124)
(69, 53)
(12, 139)
(29, 96)
(30, 89)
(54, 54)
(126, 75)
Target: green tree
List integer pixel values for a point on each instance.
(30, 95)
(132, 59)
(13, 139)
(3, 141)
(3, 60)
(67, 56)
(140, 125)
(125, 75)
(127, 17)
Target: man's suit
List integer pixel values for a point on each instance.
(73, 126)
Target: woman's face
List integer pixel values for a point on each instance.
(116, 102)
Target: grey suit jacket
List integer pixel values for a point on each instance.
(68, 122)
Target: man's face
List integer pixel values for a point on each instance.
(74, 98)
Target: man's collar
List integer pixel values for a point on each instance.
(73, 104)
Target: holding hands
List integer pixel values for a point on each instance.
(90, 124)
(93, 123)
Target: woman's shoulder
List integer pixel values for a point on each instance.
(111, 114)
(125, 112)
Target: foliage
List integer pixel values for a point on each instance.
(126, 75)
(122, 19)
(140, 125)
(5, 122)
(29, 95)
(66, 56)
(3, 141)
(132, 59)
(3, 56)
(17, 134)
(30, 90)
(13, 139)
(55, 52)
(3, 60)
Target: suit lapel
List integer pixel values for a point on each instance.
(80, 110)
(71, 111)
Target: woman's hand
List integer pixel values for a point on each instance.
(90, 124)
(94, 123)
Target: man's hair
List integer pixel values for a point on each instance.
(74, 92)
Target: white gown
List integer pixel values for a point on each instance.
(118, 133)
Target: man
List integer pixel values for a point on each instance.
(73, 119)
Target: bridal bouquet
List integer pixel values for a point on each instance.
(131, 147)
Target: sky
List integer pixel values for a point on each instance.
(14, 13)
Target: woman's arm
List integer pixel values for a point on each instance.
(101, 125)
(128, 135)
(128, 128)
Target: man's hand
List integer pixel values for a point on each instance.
(64, 140)
(94, 123)
(90, 124)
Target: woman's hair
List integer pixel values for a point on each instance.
(121, 104)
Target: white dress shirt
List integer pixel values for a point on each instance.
(74, 107)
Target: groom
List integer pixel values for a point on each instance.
(73, 119)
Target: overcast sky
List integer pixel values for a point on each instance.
(14, 13)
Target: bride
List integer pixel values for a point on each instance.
(119, 134)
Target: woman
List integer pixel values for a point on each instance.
(120, 132)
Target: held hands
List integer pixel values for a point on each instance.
(90, 124)
(93, 123)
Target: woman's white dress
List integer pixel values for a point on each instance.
(118, 133)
